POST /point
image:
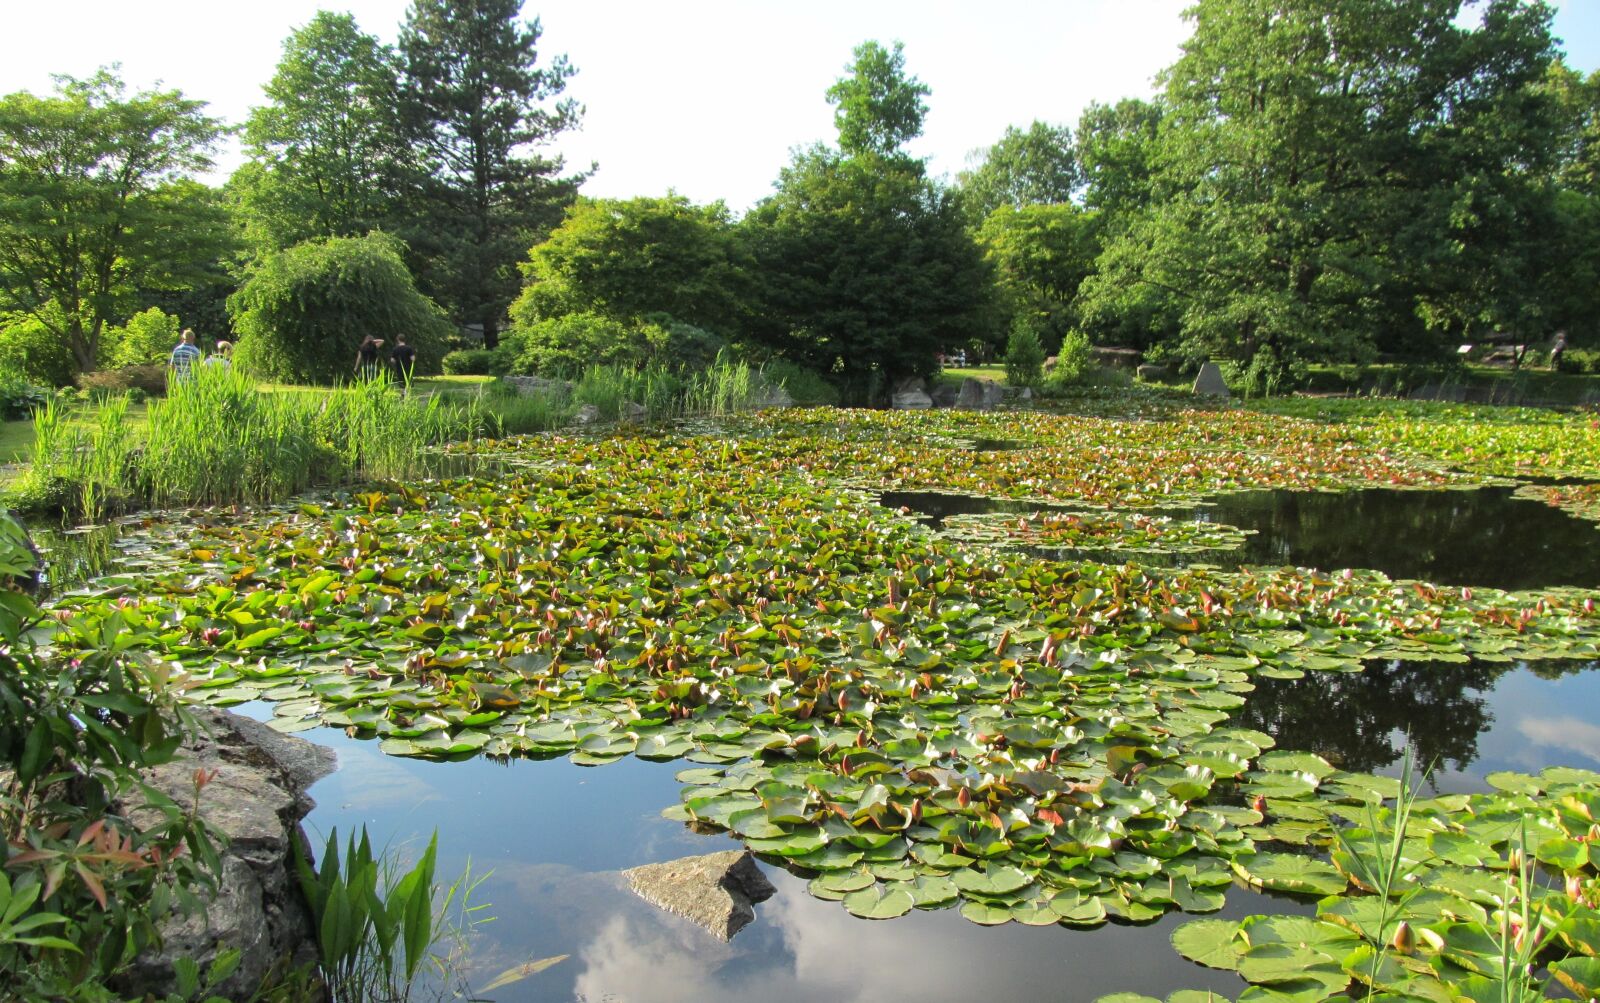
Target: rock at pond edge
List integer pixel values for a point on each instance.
(716, 892)
(256, 800)
(1209, 382)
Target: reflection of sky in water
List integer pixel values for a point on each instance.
(555, 835)
(1537, 723)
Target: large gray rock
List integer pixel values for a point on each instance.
(1151, 372)
(538, 386)
(632, 412)
(716, 892)
(588, 414)
(943, 394)
(256, 800)
(1209, 382)
(911, 395)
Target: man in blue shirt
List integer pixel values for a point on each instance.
(184, 356)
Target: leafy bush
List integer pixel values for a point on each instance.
(1025, 355)
(150, 379)
(575, 341)
(1072, 363)
(83, 888)
(147, 338)
(303, 313)
(29, 348)
(18, 396)
(472, 362)
(1579, 360)
(806, 387)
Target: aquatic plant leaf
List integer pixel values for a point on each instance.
(1285, 872)
(1214, 943)
(881, 901)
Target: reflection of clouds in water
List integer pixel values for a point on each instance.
(803, 949)
(1567, 733)
(372, 780)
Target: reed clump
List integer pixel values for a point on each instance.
(217, 439)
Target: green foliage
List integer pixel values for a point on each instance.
(1323, 192)
(96, 200)
(472, 362)
(633, 259)
(867, 269)
(1041, 254)
(83, 888)
(1024, 356)
(303, 312)
(217, 439)
(372, 940)
(1032, 167)
(18, 397)
(1073, 364)
(145, 381)
(877, 108)
(475, 97)
(1580, 360)
(805, 387)
(31, 347)
(1117, 154)
(570, 342)
(324, 149)
(147, 337)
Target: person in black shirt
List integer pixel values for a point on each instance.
(402, 360)
(367, 357)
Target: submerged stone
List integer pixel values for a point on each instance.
(717, 891)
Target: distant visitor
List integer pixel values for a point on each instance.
(184, 355)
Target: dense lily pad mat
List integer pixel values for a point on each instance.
(915, 721)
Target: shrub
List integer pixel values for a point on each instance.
(1072, 363)
(1579, 360)
(151, 380)
(806, 387)
(472, 362)
(30, 348)
(302, 314)
(147, 338)
(18, 396)
(1024, 355)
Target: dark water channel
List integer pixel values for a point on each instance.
(1483, 536)
(556, 835)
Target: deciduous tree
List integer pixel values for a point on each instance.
(325, 148)
(1036, 166)
(97, 199)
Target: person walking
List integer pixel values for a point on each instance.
(222, 358)
(1557, 349)
(402, 360)
(367, 358)
(184, 355)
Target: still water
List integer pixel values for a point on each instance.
(555, 836)
(1481, 536)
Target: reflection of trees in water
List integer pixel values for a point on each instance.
(1555, 669)
(72, 559)
(1352, 719)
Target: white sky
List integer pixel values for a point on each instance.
(705, 97)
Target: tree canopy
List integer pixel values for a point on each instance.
(474, 104)
(1036, 166)
(97, 199)
(325, 150)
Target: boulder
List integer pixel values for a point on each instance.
(717, 891)
(1209, 382)
(256, 799)
(1149, 372)
(993, 393)
(943, 394)
(538, 386)
(971, 397)
(911, 395)
(634, 412)
(776, 395)
(588, 414)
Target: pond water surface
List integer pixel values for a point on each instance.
(556, 835)
(1480, 536)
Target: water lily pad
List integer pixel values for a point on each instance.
(1286, 872)
(1211, 942)
(881, 901)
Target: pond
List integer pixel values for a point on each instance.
(555, 836)
(1025, 758)
(1480, 536)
